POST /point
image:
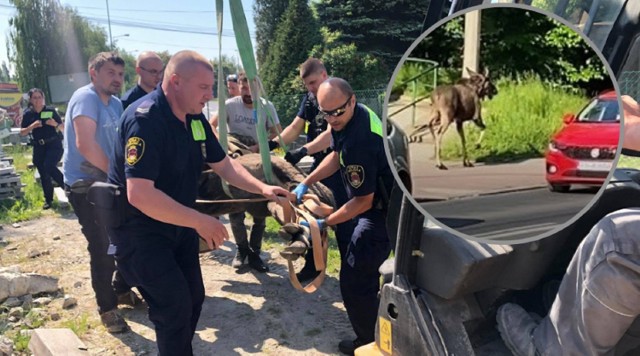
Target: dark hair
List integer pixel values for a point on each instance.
(242, 77)
(232, 78)
(96, 62)
(311, 66)
(30, 93)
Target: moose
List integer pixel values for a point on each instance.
(457, 103)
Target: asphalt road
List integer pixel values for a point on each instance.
(511, 216)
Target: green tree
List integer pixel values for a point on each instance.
(296, 35)
(5, 74)
(381, 28)
(267, 16)
(47, 39)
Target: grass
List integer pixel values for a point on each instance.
(629, 162)
(520, 121)
(79, 325)
(29, 206)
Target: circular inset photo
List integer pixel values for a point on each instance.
(512, 121)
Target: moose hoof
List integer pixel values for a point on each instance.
(441, 166)
(467, 164)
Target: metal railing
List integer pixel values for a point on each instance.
(431, 67)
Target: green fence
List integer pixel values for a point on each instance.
(287, 105)
(630, 84)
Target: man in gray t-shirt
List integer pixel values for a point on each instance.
(242, 123)
(89, 139)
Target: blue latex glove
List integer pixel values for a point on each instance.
(300, 190)
(321, 223)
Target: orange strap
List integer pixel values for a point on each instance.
(319, 241)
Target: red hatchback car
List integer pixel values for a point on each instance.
(582, 152)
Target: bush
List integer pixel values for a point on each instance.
(520, 120)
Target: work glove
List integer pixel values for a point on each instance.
(273, 145)
(300, 190)
(321, 223)
(294, 156)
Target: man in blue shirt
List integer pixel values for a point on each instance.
(358, 155)
(164, 142)
(89, 138)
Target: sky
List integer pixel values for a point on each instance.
(130, 21)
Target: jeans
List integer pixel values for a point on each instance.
(106, 284)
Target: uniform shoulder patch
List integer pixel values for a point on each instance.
(355, 175)
(134, 150)
(144, 107)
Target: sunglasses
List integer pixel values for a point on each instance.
(339, 111)
(232, 78)
(151, 71)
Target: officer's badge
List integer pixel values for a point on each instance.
(134, 150)
(355, 175)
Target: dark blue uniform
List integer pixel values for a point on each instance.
(132, 95)
(158, 258)
(317, 124)
(364, 170)
(47, 148)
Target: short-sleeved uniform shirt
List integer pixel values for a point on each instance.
(132, 95)
(310, 112)
(86, 102)
(363, 163)
(154, 144)
(241, 120)
(46, 131)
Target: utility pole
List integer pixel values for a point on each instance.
(109, 22)
(470, 56)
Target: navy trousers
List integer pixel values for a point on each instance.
(46, 158)
(167, 273)
(359, 277)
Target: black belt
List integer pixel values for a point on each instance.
(44, 141)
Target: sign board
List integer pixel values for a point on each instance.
(10, 100)
(63, 86)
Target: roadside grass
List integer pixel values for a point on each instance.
(628, 162)
(520, 121)
(80, 325)
(271, 240)
(29, 206)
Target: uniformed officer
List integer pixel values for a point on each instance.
(358, 154)
(162, 145)
(313, 73)
(44, 124)
(149, 68)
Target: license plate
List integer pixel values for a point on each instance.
(597, 166)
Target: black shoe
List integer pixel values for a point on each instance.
(114, 322)
(257, 263)
(46, 206)
(240, 257)
(307, 275)
(348, 347)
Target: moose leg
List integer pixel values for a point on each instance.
(439, 134)
(465, 160)
(239, 230)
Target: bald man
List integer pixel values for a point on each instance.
(358, 155)
(149, 68)
(163, 141)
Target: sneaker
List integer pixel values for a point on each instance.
(46, 206)
(239, 259)
(114, 322)
(129, 298)
(516, 327)
(257, 263)
(348, 347)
